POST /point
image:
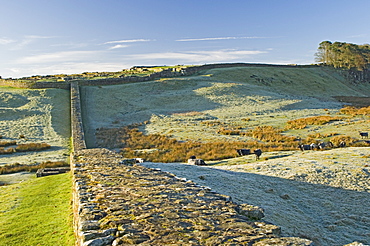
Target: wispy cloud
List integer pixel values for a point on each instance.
(63, 68)
(118, 46)
(19, 44)
(358, 36)
(200, 56)
(128, 41)
(215, 38)
(38, 37)
(6, 41)
(57, 57)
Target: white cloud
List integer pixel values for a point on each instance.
(128, 41)
(6, 41)
(358, 36)
(38, 37)
(69, 62)
(27, 40)
(118, 46)
(211, 39)
(63, 68)
(57, 57)
(201, 56)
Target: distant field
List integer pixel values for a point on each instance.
(35, 116)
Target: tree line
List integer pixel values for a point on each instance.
(344, 55)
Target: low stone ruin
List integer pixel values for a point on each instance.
(51, 171)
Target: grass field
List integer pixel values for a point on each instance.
(35, 116)
(37, 212)
(200, 108)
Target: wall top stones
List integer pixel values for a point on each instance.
(77, 132)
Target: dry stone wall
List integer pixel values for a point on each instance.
(77, 132)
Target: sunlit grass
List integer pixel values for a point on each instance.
(37, 212)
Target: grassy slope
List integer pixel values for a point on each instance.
(307, 81)
(41, 116)
(37, 212)
(265, 95)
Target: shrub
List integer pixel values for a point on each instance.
(7, 143)
(320, 135)
(270, 134)
(350, 110)
(32, 147)
(211, 122)
(6, 151)
(226, 131)
(191, 113)
(16, 167)
(348, 139)
(314, 120)
(159, 148)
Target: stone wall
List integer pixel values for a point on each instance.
(77, 132)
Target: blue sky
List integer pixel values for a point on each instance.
(41, 37)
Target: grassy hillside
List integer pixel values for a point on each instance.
(196, 108)
(298, 81)
(35, 116)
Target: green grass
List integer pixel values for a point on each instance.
(37, 212)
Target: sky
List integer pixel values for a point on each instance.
(48, 37)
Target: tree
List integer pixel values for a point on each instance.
(323, 52)
(343, 55)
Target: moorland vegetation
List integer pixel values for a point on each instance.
(162, 148)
